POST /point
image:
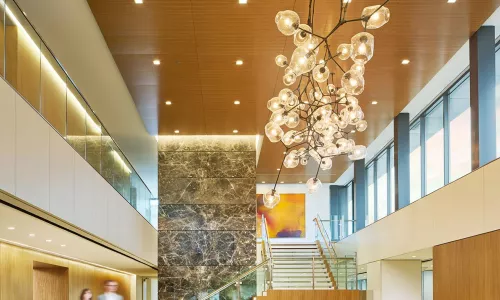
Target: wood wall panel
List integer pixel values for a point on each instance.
(468, 269)
(50, 283)
(316, 295)
(17, 272)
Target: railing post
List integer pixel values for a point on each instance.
(313, 267)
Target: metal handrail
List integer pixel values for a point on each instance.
(268, 240)
(326, 238)
(235, 280)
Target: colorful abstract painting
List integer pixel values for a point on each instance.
(287, 219)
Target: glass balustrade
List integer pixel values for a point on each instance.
(29, 66)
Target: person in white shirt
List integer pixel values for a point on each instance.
(110, 288)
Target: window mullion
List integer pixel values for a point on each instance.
(423, 173)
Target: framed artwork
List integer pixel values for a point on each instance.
(285, 220)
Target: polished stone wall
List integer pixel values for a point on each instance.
(206, 219)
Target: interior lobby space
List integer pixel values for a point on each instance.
(249, 149)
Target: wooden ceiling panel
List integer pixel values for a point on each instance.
(198, 42)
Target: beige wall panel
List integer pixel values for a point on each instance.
(80, 277)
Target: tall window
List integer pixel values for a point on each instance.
(370, 176)
(415, 163)
(459, 116)
(382, 185)
(434, 149)
(350, 209)
(393, 180)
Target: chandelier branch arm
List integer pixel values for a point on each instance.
(279, 173)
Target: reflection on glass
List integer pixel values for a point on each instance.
(382, 186)
(434, 149)
(393, 180)
(415, 164)
(497, 99)
(76, 120)
(53, 91)
(460, 131)
(371, 194)
(93, 141)
(22, 66)
(350, 209)
(107, 158)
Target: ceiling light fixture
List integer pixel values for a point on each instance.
(156, 62)
(452, 1)
(239, 62)
(413, 256)
(63, 245)
(11, 228)
(176, 131)
(320, 106)
(374, 102)
(235, 131)
(282, 182)
(138, 1)
(31, 235)
(237, 102)
(263, 182)
(243, 1)
(168, 102)
(300, 181)
(405, 61)
(48, 241)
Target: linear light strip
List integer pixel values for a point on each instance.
(62, 82)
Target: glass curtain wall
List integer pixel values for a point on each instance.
(381, 182)
(29, 66)
(415, 163)
(350, 209)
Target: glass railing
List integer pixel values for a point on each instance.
(339, 227)
(30, 67)
(248, 285)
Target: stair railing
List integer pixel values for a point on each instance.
(325, 237)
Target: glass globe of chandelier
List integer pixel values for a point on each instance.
(318, 108)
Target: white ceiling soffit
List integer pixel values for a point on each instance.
(71, 32)
(75, 247)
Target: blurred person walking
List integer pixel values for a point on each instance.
(86, 294)
(110, 288)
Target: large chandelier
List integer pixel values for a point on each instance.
(320, 109)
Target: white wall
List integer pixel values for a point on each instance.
(469, 206)
(38, 166)
(317, 203)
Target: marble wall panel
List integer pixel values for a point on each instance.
(192, 282)
(206, 143)
(206, 164)
(206, 190)
(206, 248)
(207, 217)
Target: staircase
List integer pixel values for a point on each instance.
(299, 267)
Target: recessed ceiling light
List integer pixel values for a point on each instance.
(168, 102)
(347, 1)
(263, 182)
(239, 62)
(278, 169)
(156, 62)
(300, 181)
(282, 182)
(176, 131)
(374, 102)
(31, 235)
(452, 1)
(413, 256)
(138, 1)
(284, 152)
(243, 1)
(11, 228)
(63, 245)
(237, 102)
(48, 241)
(405, 61)
(235, 131)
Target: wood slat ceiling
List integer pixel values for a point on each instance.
(198, 42)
